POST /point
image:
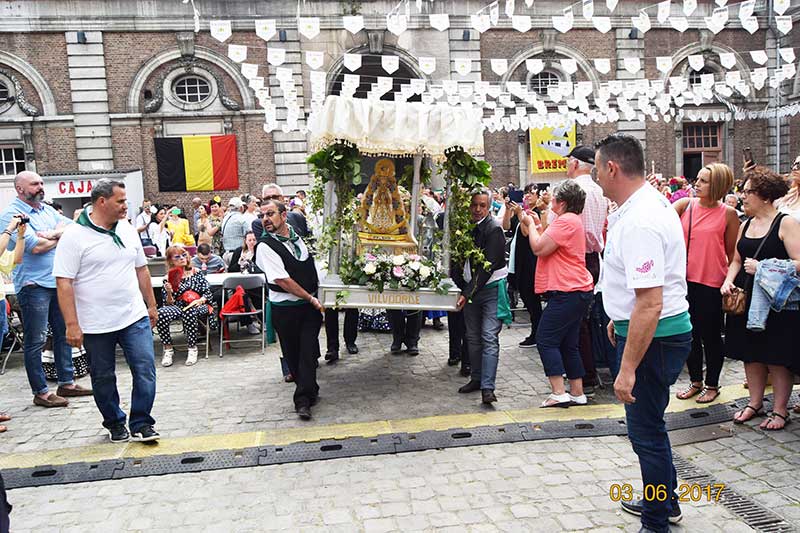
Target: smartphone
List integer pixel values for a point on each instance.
(515, 196)
(748, 155)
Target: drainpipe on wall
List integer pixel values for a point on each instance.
(776, 36)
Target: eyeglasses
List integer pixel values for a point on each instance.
(272, 197)
(180, 256)
(270, 214)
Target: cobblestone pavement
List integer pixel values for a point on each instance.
(244, 391)
(529, 486)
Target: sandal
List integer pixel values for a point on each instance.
(3, 429)
(738, 417)
(4, 417)
(557, 400)
(714, 391)
(689, 392)
(765, 424)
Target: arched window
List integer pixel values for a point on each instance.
(694, 75)
(5, 93)
(539, 83)
(191, 89)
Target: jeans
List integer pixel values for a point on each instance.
(136, 341)
(559, 332)
(39, 307)
(774, 287)
(457, 339)
(705, 310)
(483, 343)
(647, 431)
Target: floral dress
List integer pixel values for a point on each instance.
(216, 240)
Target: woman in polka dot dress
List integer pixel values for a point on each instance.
(176, 309)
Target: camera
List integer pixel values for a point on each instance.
(23, 219)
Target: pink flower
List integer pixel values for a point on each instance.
(370, 257)
(398, 272)
(414, 257)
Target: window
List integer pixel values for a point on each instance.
(540, 82)
(701, 136)
(694, 75)
(191, 89)
(12, 160)
(5, 94)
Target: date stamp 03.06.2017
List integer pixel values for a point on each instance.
(687, 492)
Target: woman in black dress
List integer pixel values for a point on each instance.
(773, 351)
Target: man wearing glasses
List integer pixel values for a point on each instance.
(295, 312)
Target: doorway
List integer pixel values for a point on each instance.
(701, 146)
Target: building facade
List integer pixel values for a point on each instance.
(86, 86)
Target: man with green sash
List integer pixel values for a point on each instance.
(292, 308)
(484, 298)
(105, 295)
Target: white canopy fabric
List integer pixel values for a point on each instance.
(397, 128)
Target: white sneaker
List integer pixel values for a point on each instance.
(252, 328)
(578, 400)
(191, 358)
(167, 359)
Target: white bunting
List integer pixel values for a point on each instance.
(697, 61)
(237, 52)
(315, 59)
(276, 56)
(492, 90)
(615, 87)
(588, 9)
(450, 87)
(642, 22)
(534, 66)
(603, 65)
(788, 70)
(220, 30)
(787, 54)
(689, 6)
(720, 3)
(499, 66)
(784, 24)
(494, 13)
(727, 59)
(528, 3)
(664, 64)
(418, 86)
(733, 78)
(249, 70)
(563, 23)
(569, 65)
(283, 74)
(521, 23)
(308, 27)
(510, 6)
(611, 4)
(759, 57)
(680, 24)
(396, 24)
(632, 64)
(256, 83)
(602, 24)
(319, 78)
(462, 66)
(706, 81)
(437, 92)
(352, 62)
(480, 23)
(427, 99)
(439, 22)
(750, 24)
(353, 23)
(427, 65)
(384, 84)
(714, 25)
(390, 64)
(746, 9)
(758, 77)
(780, 6)
(266, 28)
(465, 90)
(663, 11)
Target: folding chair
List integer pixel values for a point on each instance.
(248, 282)
(15, 330)
(150, 251)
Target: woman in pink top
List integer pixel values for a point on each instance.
(710, 228)
(562, 277)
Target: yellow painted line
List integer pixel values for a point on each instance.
(280, 437)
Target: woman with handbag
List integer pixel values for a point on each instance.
(186, 295)
(710, 228)
(767, 234)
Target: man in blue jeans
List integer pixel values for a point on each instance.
(36, 291)
(644, 292)
(103, 284)
(484, 298)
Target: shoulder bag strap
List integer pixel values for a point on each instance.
(775, 221)
(689, 236)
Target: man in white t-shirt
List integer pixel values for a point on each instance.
(103, 283)
(296, 314)
(644, 292)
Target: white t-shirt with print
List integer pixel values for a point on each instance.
(645, 248)
(107, 296)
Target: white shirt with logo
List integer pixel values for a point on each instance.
(645, 248)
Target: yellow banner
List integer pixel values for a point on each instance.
(549, 148)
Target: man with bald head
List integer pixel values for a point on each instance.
(36, 291)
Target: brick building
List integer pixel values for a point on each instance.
(86, 86)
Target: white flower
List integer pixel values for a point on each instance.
(414, 265)
(398, 260)
(424, 272)
(370, 269)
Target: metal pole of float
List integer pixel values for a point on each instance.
(328, 212)
(415, 195)
(446, 225)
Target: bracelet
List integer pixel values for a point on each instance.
(7, 232)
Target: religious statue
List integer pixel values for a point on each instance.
(383, 217)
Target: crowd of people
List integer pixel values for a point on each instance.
(642, 275)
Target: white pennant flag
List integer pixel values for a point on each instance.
(758, 77)
(220, 30)
(499, 66)
(463, 66)
(569, 65)
(450, 86)
(276, 56)
(642, 22)
(494, 13)
(780, 6)
(396, 24)
(697, 61)
(663, 11)
(602, 24)
(789, 70)
(521, 23)
(308, 27)
(746, 9)
(510, 8)
(680, 24)
(353, 23)
(534, 66)
(564, 23)
(588, 9)
(237, 52)
(733, 78)
(784, 24)
(440, 22)
(611, 4)
(750, 24)
(603, 65)
(716, 23)
(315, 59)
(266, 28)
(689, 6)
(787, 54)
(664, 64)
(352, 62)
(759, 57)
(256, 83)
(632, 64)
(390, 64)
(249, 70)
(384, 85)
(427, 65)
(480, 23)
(727, 60)
(418, 86)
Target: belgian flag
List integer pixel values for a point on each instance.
(197, 163)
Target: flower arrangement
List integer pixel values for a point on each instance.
(379, 271)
